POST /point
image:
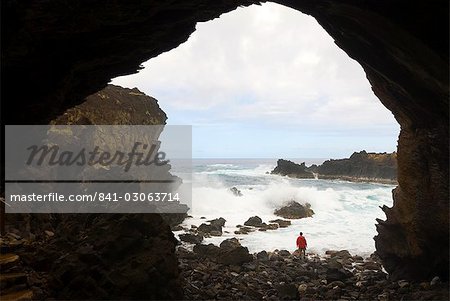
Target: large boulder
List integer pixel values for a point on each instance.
(191, 238)
(295, 210)
(254, 221)
(232, 253)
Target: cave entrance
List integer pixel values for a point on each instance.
(267, 82)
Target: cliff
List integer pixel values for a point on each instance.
(133, 253)
(361, 166)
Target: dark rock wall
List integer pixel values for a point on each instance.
(361, 165)
(63, 51)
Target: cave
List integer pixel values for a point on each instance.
(56, 53)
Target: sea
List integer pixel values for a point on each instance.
(344, 218)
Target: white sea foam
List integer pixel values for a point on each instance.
(344, 212)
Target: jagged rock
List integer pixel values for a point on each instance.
(281, 222)
(236, 191)
(230, 252)
(294, 210)
(254, 221)
(210, 229)
(218, 222)
(291, 169)
(210, 250)
(244, 230)
(191, 238)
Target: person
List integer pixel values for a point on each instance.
(301, 245)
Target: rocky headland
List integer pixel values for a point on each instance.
(360, 167)
(293, 170)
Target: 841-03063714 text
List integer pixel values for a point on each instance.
(97, 197)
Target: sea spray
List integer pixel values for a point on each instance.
(344, 212)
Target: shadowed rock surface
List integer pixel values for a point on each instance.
(106, 256)
(102, 256)
(63, 53)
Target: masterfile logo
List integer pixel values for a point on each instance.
(105, 168)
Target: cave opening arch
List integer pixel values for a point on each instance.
(403, 48)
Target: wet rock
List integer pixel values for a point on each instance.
(191, 238)
(218, 222)
(244, 230)
(254, 221)
(294, 210)
(235, 191)
(214, 228)
(281, 222)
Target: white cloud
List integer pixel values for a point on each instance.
(263, 64)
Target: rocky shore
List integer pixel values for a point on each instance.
(360, 167)
(229, 272)
(35, 269)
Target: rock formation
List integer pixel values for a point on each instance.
(361, 166)
(291, 169)
(125, 251)
(294, 210)
(115, 105)
(64, 53)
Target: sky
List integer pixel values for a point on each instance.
(267, 82)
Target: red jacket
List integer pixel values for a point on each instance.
(301, 242)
